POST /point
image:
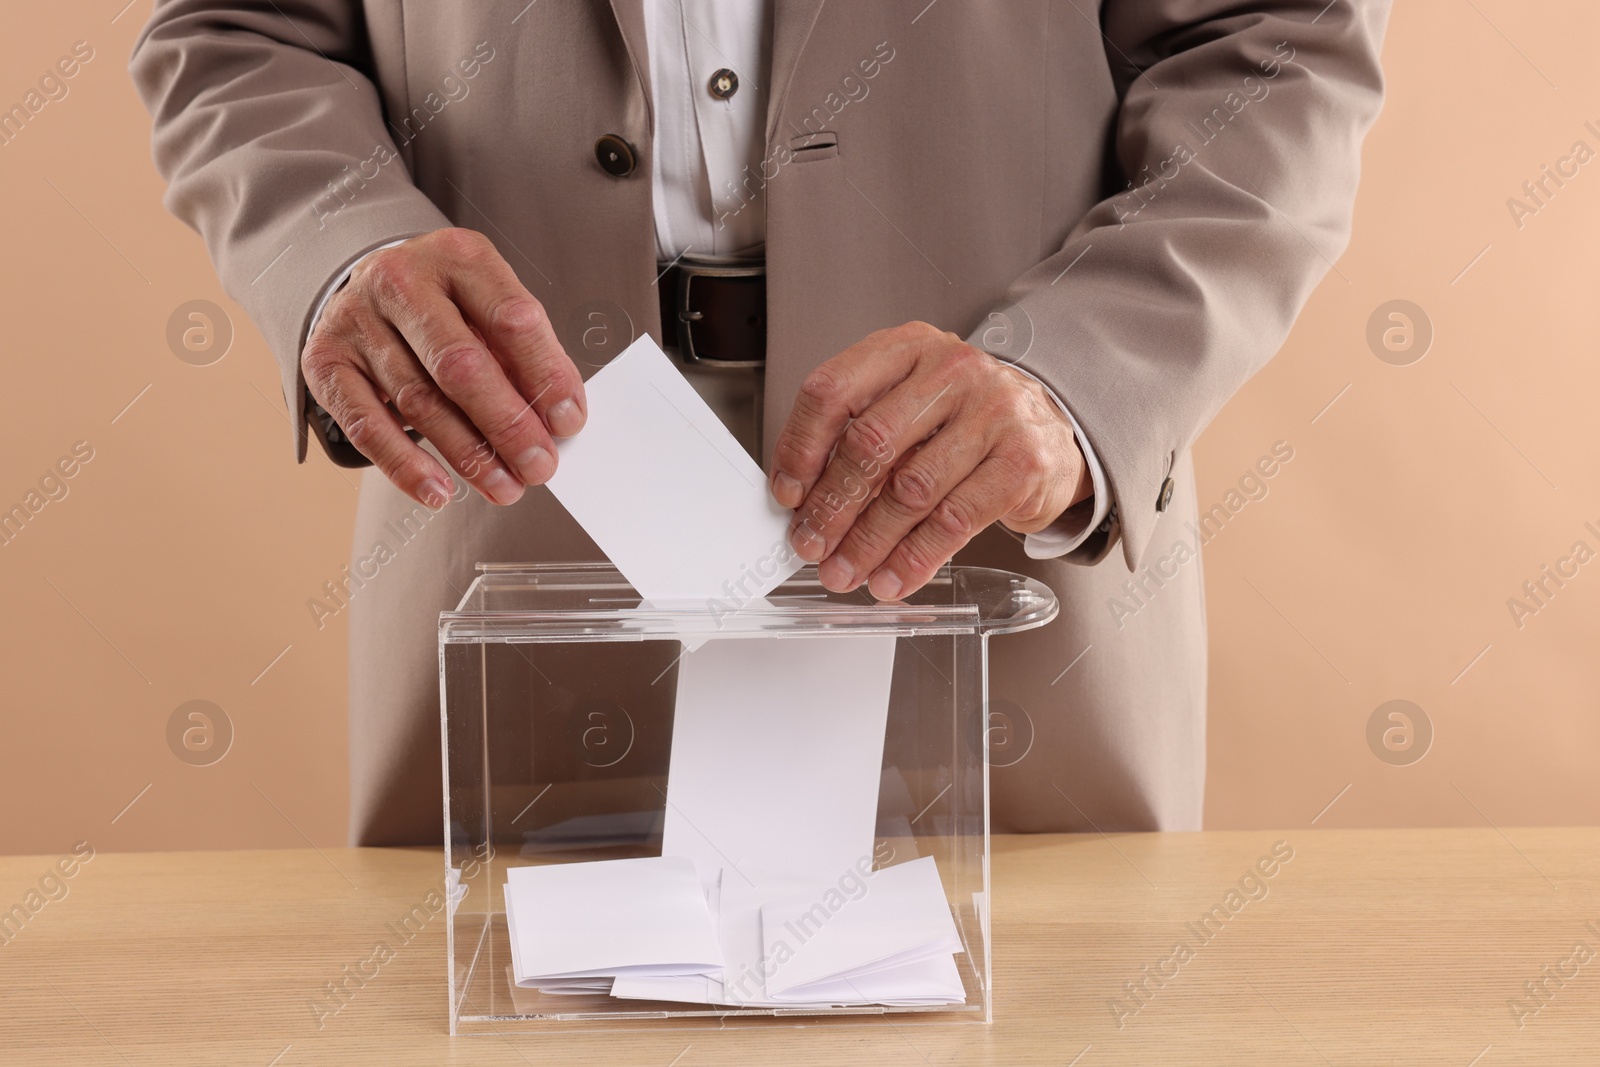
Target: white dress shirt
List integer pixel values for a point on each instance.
(704, 144)
(704, 148)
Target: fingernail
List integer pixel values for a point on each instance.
(786, 490)
(535, 465)
(837, 574)
(434, 493)
(565, 419)
(501, 487)
(806, 544)
(885, 585)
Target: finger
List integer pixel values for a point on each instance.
(982, 498)
(833, 394)
(518, 332)
(391, 364)
(461, 366)
(867, 451)
(909, 496)
(350, 398)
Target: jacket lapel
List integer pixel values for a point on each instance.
(630, 20)
(792, 23)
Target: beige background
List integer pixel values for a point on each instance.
(178, 565)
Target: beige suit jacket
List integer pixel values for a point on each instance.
(1133, 198)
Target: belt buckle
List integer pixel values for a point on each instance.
(686, 317)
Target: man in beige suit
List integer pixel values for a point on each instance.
(443, 217)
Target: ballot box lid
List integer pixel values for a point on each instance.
(594, 602)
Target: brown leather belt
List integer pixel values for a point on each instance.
(715, 316)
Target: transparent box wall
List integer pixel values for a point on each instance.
(557, 685)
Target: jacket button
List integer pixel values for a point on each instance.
(1165, 496)
(617, 157)
(724, 83)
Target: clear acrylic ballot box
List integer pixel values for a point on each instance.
(558, 688)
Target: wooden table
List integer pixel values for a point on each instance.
(1405, 947)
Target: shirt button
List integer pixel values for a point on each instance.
(616, 156)
(724, 83)
(1165, 496)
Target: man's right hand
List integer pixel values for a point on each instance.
(441, 328)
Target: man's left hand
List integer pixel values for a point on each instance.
(905, 446)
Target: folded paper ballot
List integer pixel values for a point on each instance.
(928, 982)
(667, 492)
(738, 898)
(813, 940)
(605, 918)
(910, 960)
(750, 963)
(739, 927)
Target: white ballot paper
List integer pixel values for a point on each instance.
(606, 918)
(777, 746)
(929, 977)
(689, 988)
(737, 905)
(667, 492)
(821, 944)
